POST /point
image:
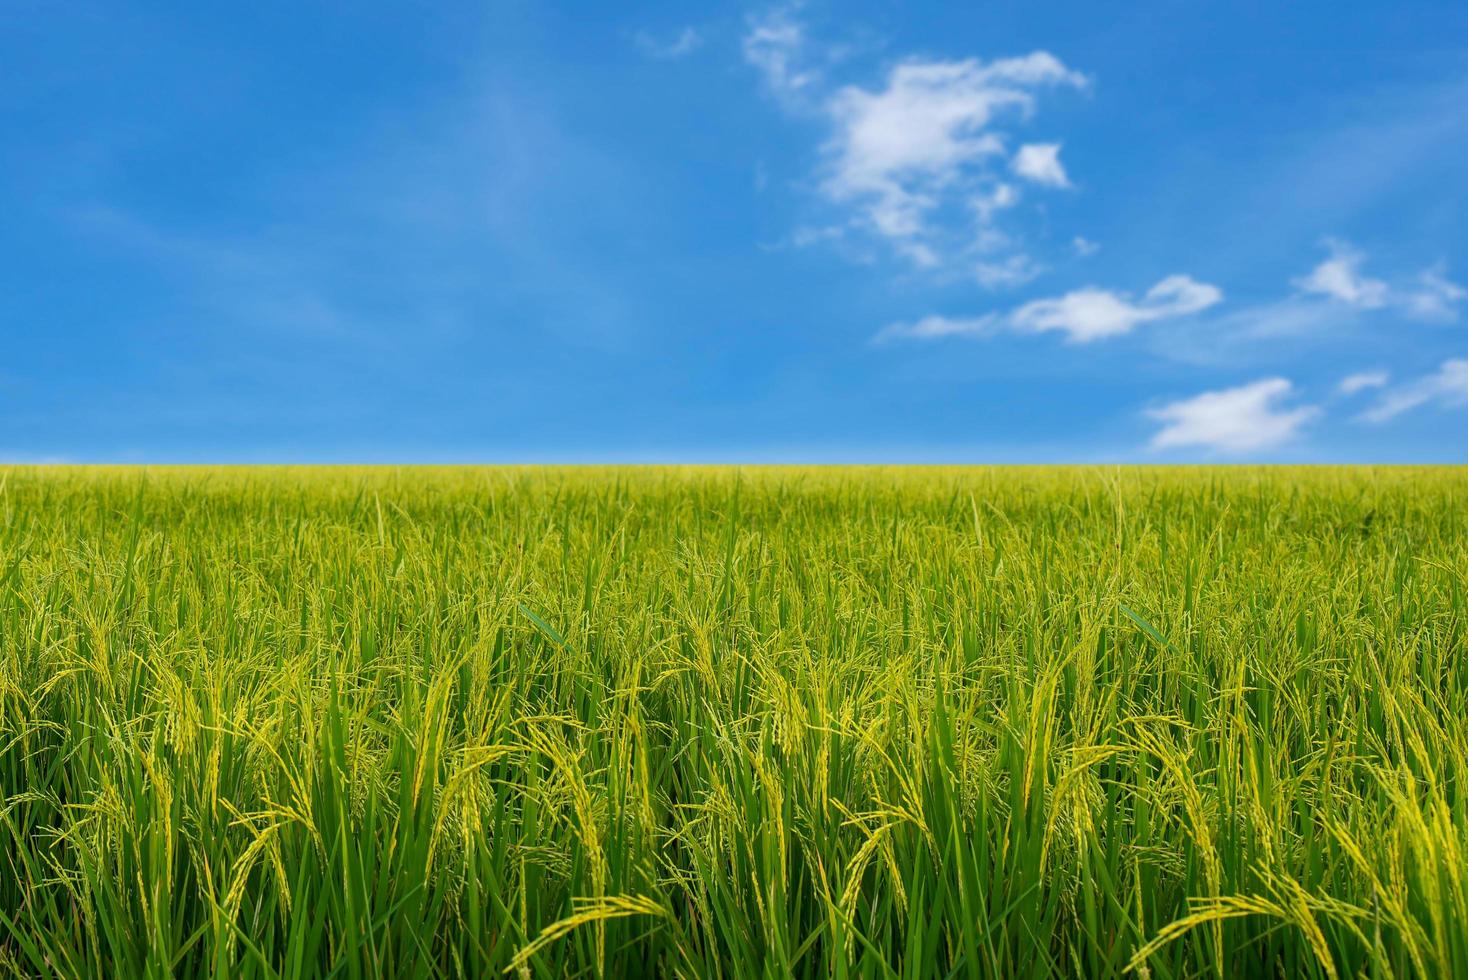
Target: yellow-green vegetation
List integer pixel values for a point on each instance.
(708, 722)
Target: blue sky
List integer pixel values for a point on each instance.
(899, 232)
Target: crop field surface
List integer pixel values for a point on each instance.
(718, 722)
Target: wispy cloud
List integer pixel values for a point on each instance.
(917, 149)
(776, 44)
(1433, 296)
(1091, 314)
(1249, 327)
(679, 45)
(1340, 278)
(1447, 387)
(1015, 270)
(1083, 315)
(1361, 381)
(390, 230)
(262, 283)
(1334, 301)
(1234, 420)
(921, 161)
(1428, 296)
(936, 327)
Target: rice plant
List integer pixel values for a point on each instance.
(811, 722)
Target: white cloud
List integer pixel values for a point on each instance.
(1340, 278)
(1430, 296)
(1239, 419)
(776, 45)
(681, 45)
(1091, 314)
(1083, 315)
(1447, 387)
(988, 203)
(1084, 246)
(807, 235)
(1013, 271)
(920, 253)
(1362, 380)
(923, 160)
(933, 327)
(1287, 318)
(1040, 163)
(1336, 299)
(1434, 296)
(903, 152)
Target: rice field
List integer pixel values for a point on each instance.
(706, 722)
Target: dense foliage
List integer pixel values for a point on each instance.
(707, 722)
